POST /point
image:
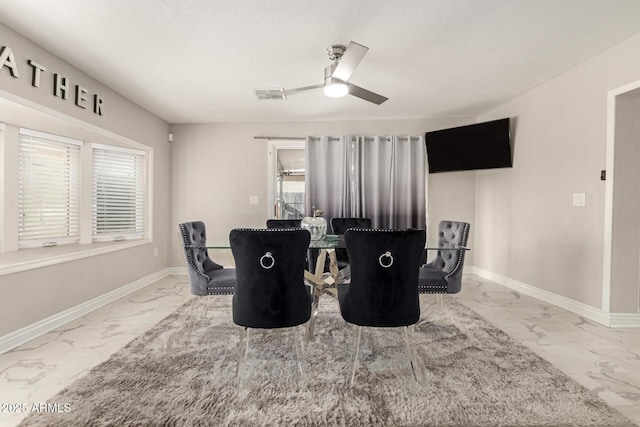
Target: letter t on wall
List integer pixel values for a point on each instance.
(35, 76)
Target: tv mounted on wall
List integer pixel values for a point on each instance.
(479, 146)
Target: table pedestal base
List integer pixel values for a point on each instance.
(322, 283)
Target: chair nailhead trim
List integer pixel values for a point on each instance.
(378, 229)
(432, 289)
(268, 229)
(464, 243)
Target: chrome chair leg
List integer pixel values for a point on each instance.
(198, 313)
(311, 324)
(243, 350)
(356, 350)
(411, 353)
(297, 343)
(190, 324)
(302, 331)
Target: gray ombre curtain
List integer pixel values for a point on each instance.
(326, 176)
(382, 178)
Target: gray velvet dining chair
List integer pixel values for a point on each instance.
(206, 277)
(443, 274)
(383, 291)
(270, 291)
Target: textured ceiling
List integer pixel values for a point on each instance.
(191, 61)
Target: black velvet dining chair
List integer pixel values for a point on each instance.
(283, 223)
(443, 274)
(338, 226)
(383, 291)
(206, 277)
(290, 223)
(270, 291)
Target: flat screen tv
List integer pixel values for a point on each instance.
(479, 146)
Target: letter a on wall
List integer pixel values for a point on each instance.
(7, 59)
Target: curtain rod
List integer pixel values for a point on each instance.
(279, 137)
(317, 137)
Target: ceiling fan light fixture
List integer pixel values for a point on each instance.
(336, 90)
(337, 77)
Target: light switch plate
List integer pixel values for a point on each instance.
(579, 199)
(254, 200)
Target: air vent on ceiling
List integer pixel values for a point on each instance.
(275, 93)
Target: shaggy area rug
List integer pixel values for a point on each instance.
(182, 373)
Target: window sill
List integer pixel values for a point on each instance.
(29, 259)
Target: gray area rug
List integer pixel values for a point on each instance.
(182, 373)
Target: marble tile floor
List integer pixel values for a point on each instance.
(606, 361)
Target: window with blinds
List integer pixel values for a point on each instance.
(118, 193)
(48, 189)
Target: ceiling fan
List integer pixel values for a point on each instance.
(336, 77)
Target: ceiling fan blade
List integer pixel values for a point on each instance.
(298, 90)
(353, 54)
(366, 94)
(281, 93)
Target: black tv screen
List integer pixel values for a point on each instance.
(479, 146)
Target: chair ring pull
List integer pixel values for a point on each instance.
(388, 263)
(267, 256)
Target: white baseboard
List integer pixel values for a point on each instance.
(28, 333)
(611, 320)
(177, 271)
(624, 320)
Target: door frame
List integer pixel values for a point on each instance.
(273, 145)
(608, 193)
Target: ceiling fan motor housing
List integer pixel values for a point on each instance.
(336, 51)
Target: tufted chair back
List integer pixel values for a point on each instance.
(384, 277)
(283, 223)
(339, 226)
(270, 290)
(451, 262)
(199, 265)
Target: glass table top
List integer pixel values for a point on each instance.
(330, 241)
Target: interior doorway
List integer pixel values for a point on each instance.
(621, 287)
(286, 178)
(290, 184)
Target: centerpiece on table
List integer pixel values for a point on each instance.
(316, 224)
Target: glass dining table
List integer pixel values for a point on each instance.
(321, 281)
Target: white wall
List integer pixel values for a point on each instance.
(526, 226)
(217, 167)
(33, 295)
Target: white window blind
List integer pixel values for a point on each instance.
(48, 189)
(118, 193)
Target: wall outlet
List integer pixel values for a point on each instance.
(155, 252)
(254, 200)
(579, 199)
